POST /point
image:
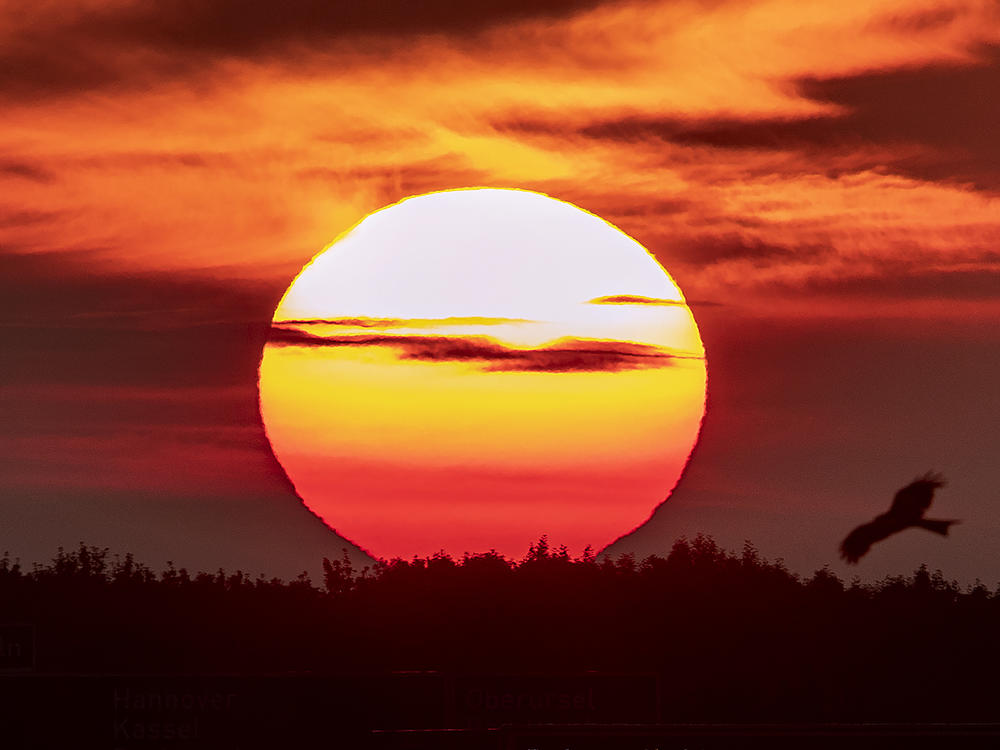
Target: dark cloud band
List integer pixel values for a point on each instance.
(402, 322)
(176, 38)
(565, 355)
(938, 117)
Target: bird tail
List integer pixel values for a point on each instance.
(937, 526)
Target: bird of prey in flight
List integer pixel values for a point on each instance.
(908, 508)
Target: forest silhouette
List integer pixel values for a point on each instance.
(731, 636)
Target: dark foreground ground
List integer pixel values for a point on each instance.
(412, 712)
(701, 649)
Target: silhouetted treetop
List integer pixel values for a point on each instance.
(758, 640)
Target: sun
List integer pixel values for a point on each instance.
(470, 369)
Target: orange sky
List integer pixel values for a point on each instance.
(170, 166)
(760, 127)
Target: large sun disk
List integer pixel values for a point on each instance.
(468, 370)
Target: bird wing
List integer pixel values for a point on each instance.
(915, 498)
(859, 541)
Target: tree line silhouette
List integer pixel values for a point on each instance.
(733, 637)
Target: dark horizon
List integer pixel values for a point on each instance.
(411, 654)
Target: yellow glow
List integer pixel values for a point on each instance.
(444, 413)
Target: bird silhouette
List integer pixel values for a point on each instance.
(907, 509)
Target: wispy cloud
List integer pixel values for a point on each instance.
(27, 170)
(634, 299)
(754, 147)
(564, 355)
(363, 322)
(125, 44)
(883, 109)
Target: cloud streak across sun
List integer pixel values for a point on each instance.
(564, 355)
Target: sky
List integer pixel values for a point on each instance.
(821, 180)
